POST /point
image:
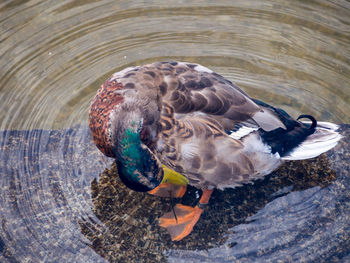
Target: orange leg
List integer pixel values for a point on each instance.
(186, 217)
(169, 190)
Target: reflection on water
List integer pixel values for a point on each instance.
(55, 54)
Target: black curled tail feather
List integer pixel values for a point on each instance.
(311, 118)
(283, 141)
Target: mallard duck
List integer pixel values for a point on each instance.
(169, 124)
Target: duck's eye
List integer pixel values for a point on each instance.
(145, 135)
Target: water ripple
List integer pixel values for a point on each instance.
(55, 54)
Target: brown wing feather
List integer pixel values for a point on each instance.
(192, 88)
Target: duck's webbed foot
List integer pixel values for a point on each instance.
(182, 219)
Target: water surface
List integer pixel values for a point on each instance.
(55, 54)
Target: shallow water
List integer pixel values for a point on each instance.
(55, 54)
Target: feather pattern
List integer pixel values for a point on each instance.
(196, 122)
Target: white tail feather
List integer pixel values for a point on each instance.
(323, 139)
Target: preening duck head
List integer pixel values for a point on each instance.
(138, 167)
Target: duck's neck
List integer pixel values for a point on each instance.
(138, 167)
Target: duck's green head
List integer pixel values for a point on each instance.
(138, 168)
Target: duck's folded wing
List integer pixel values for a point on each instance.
(193, 89)
(196, 89)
